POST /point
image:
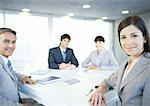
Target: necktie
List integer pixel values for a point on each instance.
(11, 70)
(64, 55)
(10, 66)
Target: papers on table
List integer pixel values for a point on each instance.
(72, 81)
(48, 80)
(40, 72)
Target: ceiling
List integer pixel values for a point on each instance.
(110, 8)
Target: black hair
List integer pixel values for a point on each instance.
(3, 30)
(99, 38)
(138, 23)
(64, 36)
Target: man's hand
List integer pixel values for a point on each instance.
(62, 66)
(70, 67)
(28, 80)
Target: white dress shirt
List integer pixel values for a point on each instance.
(5, 59)
(130, 65)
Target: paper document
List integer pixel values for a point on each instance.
(40, 72)
(49, 79)
(72, 81)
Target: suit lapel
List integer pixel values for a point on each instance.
(7, 69)
(60, 54)
(136, 70)
(67, 54)
(120, 74)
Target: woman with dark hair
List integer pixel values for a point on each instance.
(132, 80)
(100, 57)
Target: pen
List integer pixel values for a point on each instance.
(91, 90)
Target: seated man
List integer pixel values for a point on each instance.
(99, 57)
(9, 79)
(62, 57)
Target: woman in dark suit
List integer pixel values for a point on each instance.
(132, 80)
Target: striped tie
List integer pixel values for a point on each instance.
(10, 66)
(11, 70)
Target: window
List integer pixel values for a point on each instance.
(36, 34)
(32, 41)
(1, 19)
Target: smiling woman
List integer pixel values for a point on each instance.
(132, 80)
(132, 40)
(100, 57)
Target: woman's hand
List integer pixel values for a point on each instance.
(92, 67)
(97, 97)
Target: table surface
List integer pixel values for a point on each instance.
(59, 93)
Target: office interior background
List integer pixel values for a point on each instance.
(40, 28)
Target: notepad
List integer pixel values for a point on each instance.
(40, 72)
(72, 81)
(48, 80)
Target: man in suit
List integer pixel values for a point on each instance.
(9, 79)
(62, 57)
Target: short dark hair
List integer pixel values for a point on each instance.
(138, 23)
(3, 30)
(99, 38)
(64, 36)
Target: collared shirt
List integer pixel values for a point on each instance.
(62, 50)
(98, 54)
(5, 59)
(100, 58)
(129, 67)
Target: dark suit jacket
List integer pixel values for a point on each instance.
(55, 57)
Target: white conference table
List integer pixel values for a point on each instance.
(59, 93)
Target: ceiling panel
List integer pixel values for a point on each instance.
(100, 8)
